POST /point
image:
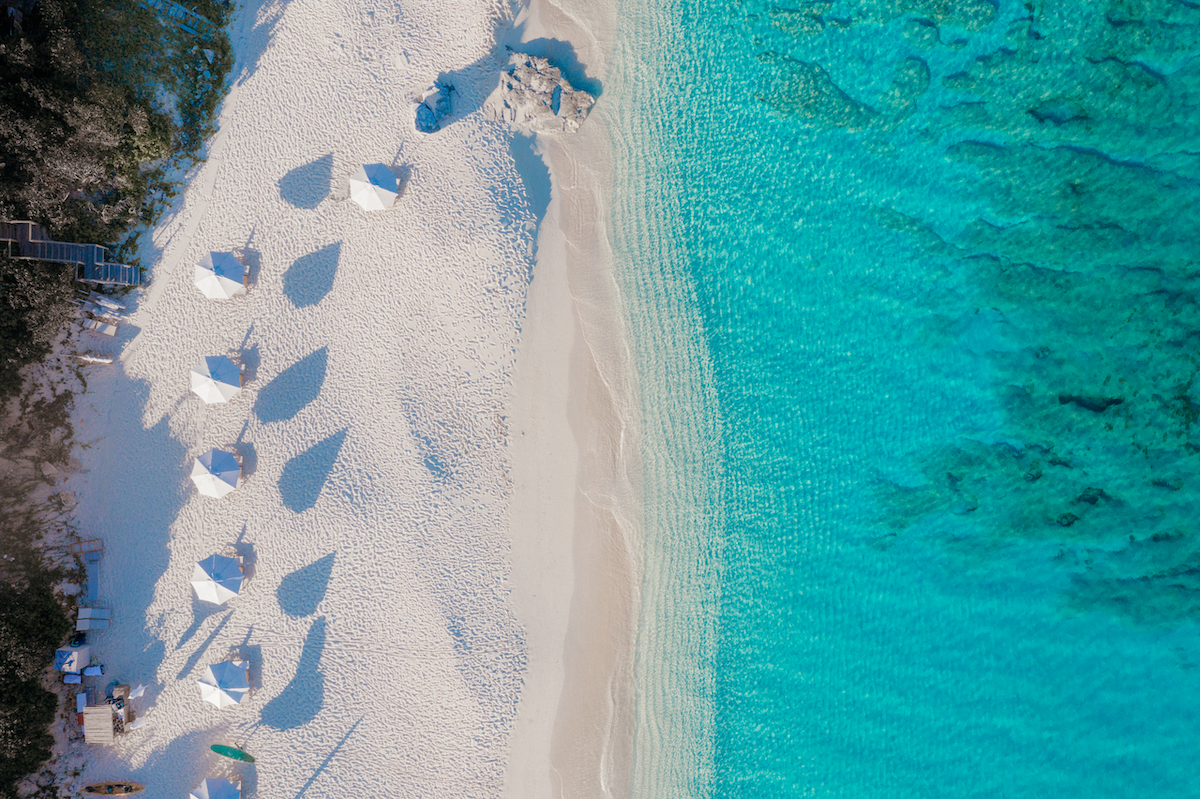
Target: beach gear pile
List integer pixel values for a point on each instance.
(433, 107)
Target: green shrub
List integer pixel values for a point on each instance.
(35, 303)
(32, 625)
(95, 100)
(26, 711)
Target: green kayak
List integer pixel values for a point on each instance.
(231, 753)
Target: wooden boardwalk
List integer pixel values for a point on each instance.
(185, 18)
(30, 241)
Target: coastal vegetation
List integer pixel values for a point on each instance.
(103, 106)
(100, 103)
(35, 433)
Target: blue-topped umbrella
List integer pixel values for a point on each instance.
(374, 187)
(216, 379)
(216, 473)
(220, 276)
(217, 579)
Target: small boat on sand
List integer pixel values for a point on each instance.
(231, 752)
(113, 788)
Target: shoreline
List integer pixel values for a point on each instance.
(576, 466)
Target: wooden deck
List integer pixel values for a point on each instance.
(30, 241)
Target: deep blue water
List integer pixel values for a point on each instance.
(938, 266)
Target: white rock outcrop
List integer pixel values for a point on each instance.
(536, 98)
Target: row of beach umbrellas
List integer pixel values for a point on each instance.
(216, 473)
(216, 379)
(221, 276)
(218, 578)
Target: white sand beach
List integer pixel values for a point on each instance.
(576, 710)
(436, 506)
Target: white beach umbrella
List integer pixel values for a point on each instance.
(216, 473)
(219, 276)
(217, 579)
(225, 684)
(213, 788)
(216, 379)
(374, 187)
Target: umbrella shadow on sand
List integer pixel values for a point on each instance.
(307, 185)
(301, 699)
(293, 388)
(305, 475)
(310, 277)
(328, 758)
(301, 591)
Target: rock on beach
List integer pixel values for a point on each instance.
(538, 99)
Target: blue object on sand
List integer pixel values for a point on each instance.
(93, 577)
(434, 107)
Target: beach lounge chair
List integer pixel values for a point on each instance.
(96, 326)
(101, 312)
(93, 619)
(106, 301)
(91, 624)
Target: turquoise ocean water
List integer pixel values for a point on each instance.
(914, 295)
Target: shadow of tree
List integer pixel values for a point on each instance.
(308, 184)
(177, 762)
(136, 539)
(200, 650)
(293, 388)
(310, 277)
(304, 475)
(301, 699)
(200, 612)
(328, 759)
(300, 592)
(254, 34)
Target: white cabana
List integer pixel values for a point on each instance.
(215, 788)
(216, 379)
(225, 684)
(72, 658)
(216, 473)
(220, 276)
(217, 579)
(374, 187)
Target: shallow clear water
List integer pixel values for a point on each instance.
(913, 298)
